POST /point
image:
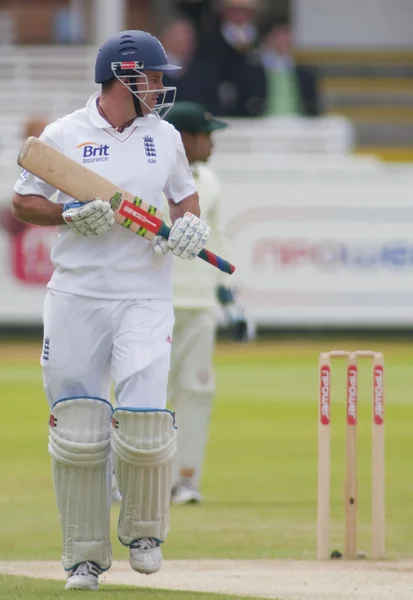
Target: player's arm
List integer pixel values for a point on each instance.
(241, 326)
(36, 210)
(31, 200)
(189, 204)
(32, 203)
(188, 234)
(91, 218)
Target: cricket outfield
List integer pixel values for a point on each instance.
(256, 532)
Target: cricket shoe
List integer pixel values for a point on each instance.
(185, 493)
(145, 555)
(83, 577)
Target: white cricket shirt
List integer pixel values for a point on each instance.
(147, 159)
(195, 281)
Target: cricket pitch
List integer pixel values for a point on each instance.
(281, 579)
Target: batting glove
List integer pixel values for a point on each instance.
(90, 218)
(188, 236)
(160, 245)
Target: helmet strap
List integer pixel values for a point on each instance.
(137, 105)
(133, 87)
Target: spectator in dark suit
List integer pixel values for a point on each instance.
(197, 81)
(242, 82)
(221, 65)
(292, 89)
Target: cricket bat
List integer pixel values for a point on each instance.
(82, 184)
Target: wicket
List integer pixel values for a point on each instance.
(377, 459)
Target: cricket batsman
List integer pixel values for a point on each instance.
(108, 313)
(195, 291)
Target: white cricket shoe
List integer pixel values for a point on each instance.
(145, 555)
(185, 493)
(83, 577)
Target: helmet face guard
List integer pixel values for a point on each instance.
(132, 75)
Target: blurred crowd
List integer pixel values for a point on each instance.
(236, 64)
(237, 56)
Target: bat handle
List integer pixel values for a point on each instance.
(206, 255)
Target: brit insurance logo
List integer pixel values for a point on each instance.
(93, 152)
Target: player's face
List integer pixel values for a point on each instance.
(202, 146)
(149, 90)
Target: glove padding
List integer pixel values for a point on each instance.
(91, 218)
(188, 236)
(160, 245)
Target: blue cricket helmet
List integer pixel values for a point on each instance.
(127, 47)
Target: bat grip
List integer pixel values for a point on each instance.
(206, 255)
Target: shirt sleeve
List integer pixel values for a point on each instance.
(180, 183)
(27, 184)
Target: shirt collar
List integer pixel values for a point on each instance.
(98, 121)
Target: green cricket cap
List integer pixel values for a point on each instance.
(193, 118)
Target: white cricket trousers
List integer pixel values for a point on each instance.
(191, 389)
(89, 342)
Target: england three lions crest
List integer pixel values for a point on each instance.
(150, 149)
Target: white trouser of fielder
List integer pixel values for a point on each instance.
(191, 389)
(87, 343)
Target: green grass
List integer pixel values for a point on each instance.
(24, 588)
(260, 478)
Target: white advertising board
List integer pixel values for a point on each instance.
(25, 268)
(321, 245)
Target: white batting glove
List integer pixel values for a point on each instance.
(160, 245)
(188, 236)
(90, 218)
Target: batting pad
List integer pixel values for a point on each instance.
(79, 444)
(144, 443)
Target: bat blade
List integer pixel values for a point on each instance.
(82, 184)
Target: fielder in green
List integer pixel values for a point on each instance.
(196, 290)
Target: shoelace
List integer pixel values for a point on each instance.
(86, 568)
(144, 544)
